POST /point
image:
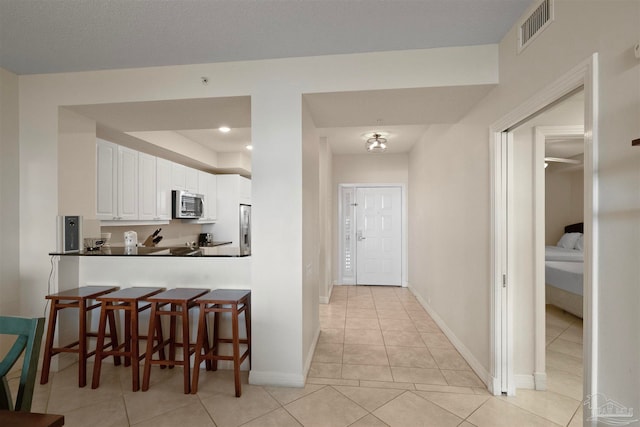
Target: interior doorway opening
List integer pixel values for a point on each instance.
(584, 75)
(547, 154)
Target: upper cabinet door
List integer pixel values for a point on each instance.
(212, 197)
(107, 184)
(244, 190)
(147, 187)
(191, 179)
(163, 189)
(127, 184)
(207, 186)
(178, 176)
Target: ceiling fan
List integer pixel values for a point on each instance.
(548, 160)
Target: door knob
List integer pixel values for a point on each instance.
(359, 236)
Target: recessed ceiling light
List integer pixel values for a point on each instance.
(224, 129)
(249, 147)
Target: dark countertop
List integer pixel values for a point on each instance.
(217, 249)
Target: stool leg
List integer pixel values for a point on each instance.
(172, 335)
(153, 319)
(135, 348)
(205, 345)
(46, 362)
(82, 343)
(100, 344)
(247, 322)
(197, 358)
(127, 334)
(113, 334)
(215, 347)
(186, 338)
(236, 348)
(160, 340)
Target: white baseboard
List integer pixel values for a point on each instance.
(326, 299)
(276, 379)
(475, 365)
(494, 386)
(310, 353)
(540, 379)
(524, 381)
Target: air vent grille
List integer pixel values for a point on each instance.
(534, 23)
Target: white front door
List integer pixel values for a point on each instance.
(379, 236)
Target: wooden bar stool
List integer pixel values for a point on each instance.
(79, 298)
(180, 301)
(222, 301)
(127, 300)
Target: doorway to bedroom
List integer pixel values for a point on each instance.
(547, 154)
(518, 324)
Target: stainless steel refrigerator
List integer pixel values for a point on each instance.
(245, 229)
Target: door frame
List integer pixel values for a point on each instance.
(584, 75)
(403, 215)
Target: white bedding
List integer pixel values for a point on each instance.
(557, 253)
(566, 275)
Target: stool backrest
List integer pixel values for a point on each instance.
(29, 337)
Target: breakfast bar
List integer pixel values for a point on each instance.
(211, 267)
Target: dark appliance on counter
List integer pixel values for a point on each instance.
(187, 205)
(245, 229)
(68, 233)
(205, 239)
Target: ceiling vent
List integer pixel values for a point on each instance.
(534, 23)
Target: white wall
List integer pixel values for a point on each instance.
(449, 229)
(326, 219)
(370, 168)
(311, 237)
(9, 194)
(564, 201)
(76, 165)
(276, 88)
(461, 296)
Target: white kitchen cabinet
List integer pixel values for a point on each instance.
(191, 180)
(154, 188)
(244, 185)
(163, 189)
(127, 184)
(207, 186)
(178, 176)
(184, 178)
(107, 181)
(117, 182)
(146, 186)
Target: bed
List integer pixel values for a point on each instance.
(564, 271)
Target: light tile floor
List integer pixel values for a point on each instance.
(380, 361)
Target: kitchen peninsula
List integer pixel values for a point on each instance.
(218, 267)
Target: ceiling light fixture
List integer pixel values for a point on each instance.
(376, 144)
(249, 147)
(224, 129)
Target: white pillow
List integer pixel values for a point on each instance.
(580, 243)
(568, 240)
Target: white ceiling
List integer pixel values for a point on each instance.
(405, 114)
(44, 36)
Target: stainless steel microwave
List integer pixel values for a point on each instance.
(187, 205)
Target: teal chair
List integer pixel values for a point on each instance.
(29, 332)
